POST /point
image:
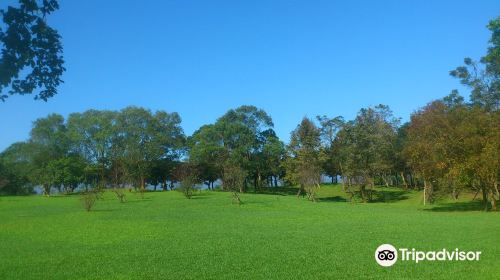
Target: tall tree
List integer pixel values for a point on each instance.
(303, 166)
(329, 154)
(367, 147)
(93, 135)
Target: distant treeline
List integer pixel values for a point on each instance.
(447, 147)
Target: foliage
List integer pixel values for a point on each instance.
(303, 166)
(31, 49)
(483, 77)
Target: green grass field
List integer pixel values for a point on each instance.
(270, 236)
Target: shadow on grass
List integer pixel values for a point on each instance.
(388, 196)
(458, 207)
(102, 210)
(199, 196)
(138, 200)
(332, 199)
(278, 191)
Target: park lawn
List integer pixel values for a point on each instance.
(270, 236)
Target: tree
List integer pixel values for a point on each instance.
(303, 166)
(239, 136)
(329, 154)
(48, 143)
(244, 132)
(93, 135)
(67, 172)
(146, 138)
(367, 147)
(483, 78)
(206, 151)
(15, 169)
(189, 177)
(30, 49)
(271, 157)
(234, 180)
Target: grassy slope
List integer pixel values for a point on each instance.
(270, 236)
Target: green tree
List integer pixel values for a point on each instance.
(206, 151)
(93, 134)
(303, 166)
(146, 138)
(367, 148)
(483, 78)
(48, 142)
(31, 57)
(15, 169)
(329, 153)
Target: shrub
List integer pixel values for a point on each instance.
(120, 194)
(188, 186)
(88, 200)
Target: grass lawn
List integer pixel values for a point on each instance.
(166, 236)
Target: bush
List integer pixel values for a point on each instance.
(234, 181)
(188, 186)
(120, 194)
(88, 200)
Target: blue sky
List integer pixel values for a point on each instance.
(291, 58)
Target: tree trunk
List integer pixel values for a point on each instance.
(385, 180)
(362, 190)
(142, 183)
(46, 190)
(301, 191)
(425, 190)
(493, 201)
(404, 180)
(485, 198)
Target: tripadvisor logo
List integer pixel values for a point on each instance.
(386, 255)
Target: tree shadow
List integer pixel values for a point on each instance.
(137, 201)
(388, 196)
(102, 210)
(332, 199)
(199, 196)
(278, 191)
(458, 207)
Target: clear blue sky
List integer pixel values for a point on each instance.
(291, 58)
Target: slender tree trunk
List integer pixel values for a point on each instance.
(485, 198)
(404, 180)
(425, 189)
(301, 191)
(385, 180)
(493, 201)
(142, 183)
(362, 190)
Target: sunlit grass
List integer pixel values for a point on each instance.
(274, 236)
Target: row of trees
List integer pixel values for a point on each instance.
(447, 147)
(96, 149)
